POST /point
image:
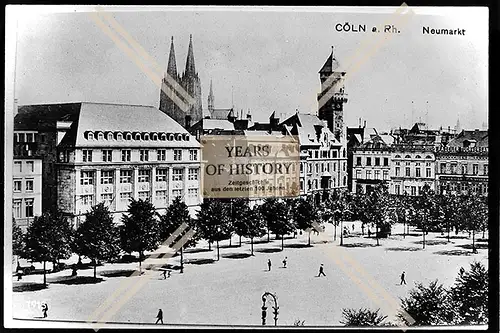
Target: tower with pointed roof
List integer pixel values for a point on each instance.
(211, 99)
(332, 97)
(189, 81)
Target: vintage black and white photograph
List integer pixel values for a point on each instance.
(246, 167)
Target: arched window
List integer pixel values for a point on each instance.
(397, 156)
(343, 152)
(119, 136)
(137, 136)
(100, 136)
(170, 137)
(186, 137)
(146, 137)
(428, 157)
(178, 137)
(128, 136)
(407, 156)
(90, 136)
(110, 136)
(154, 137)
(163, 137)
(418, 156)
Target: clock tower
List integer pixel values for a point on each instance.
(332, 97)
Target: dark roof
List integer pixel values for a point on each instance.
(221, 114)
(41, 116)
(330, 65)
(481, 137)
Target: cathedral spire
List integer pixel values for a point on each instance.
(190, 69)
(172, 66)
(211, 97)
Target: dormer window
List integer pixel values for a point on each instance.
(119, 136)
(155, 137)
(186, 137)
(163, 137)
(137, 136)
(418, 156)
(128, 136)
(90, 136)
(428, 157)
(110, 136)
(407, 156)
(100, 136)
(146, 137)
(178, 137)
(397, 156)
(170, 137)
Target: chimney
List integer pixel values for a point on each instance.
(187, 121)
(364, 124)
(249, 115)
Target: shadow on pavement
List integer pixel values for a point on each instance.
(118, 273)
(201, 261)
(78, 280)
(236, 255)
(453, 237)
(230, 247)
(28, 287)
(269, 250)
(410, 234)
(432, 242)
(482, 240)
(297, 246)
(403, 249)
(454, 252)
(359, 245)
(469, 246)
(197, 250)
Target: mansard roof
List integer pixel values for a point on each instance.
(480, 136)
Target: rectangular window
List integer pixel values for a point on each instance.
(107, 198)
(322, 167)
(301, 167)
(107, 176)
(386, 174)
(443, 168)
(358, 160)
(464, 169)
(86, 177)
(377, 161)
(177, 155)
(126, 176)
(428, 172)
(453, 168)
(161, 196)
(28, 205)
(475, 169)
(316, 154)
(343, 166)
(144, 155)
(125, 197)
(485, 169)
(144, 176)
(368, 174)
(386, 161)
(377, 174)
(16, 207)
(176, 193)
(177, 175)
(161, 155)
(107, 155)
(18, 167)
(18, 185)
(161, 175)
(317, 168)
(193, 193)
(126, 154)
(407, 172)
(398, 189)
(30, 166)
(193, 155)
(417, 172)
(87, 155)
(29, 185)
(413, 190)
(358, 174)
(397, 171)
(368, 161)
(143, 195)
(29, 137)
(193, 174)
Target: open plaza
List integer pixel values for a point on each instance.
(229, 291)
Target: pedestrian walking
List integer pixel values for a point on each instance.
(19, 275)
(321, 272)
(269, 264)
(353, 227)
(284, 262)
(369, 233)
(45, 308)
(403, 278)
(159, 316)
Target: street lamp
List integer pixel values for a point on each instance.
(218, 233)
(264, 308)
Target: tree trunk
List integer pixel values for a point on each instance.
(251, 244)
(140, 262)
(209, 246)
(218, 254)
(448, 227)
(282, 242)
(44, 274)
(334, 231)
(404, 228)
(240, 241)
(230, 240)
(423, 235)
(309, 241)
(376, 234)
(268, 234)
(95, 269)
(182, 259)
(473, 243)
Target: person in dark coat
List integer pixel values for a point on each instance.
(45, 308)
(159, 316)
(269, 264)
(284, 262)
(321, 272)
(403, 278)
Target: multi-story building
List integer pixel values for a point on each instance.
(27, 179)
(111, 153)
(463, 164)
(371, 163)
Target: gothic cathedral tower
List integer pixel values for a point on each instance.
(332, 97)
(189, 81)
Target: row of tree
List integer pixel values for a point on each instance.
(464, 303)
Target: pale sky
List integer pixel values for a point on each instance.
(270, 59)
